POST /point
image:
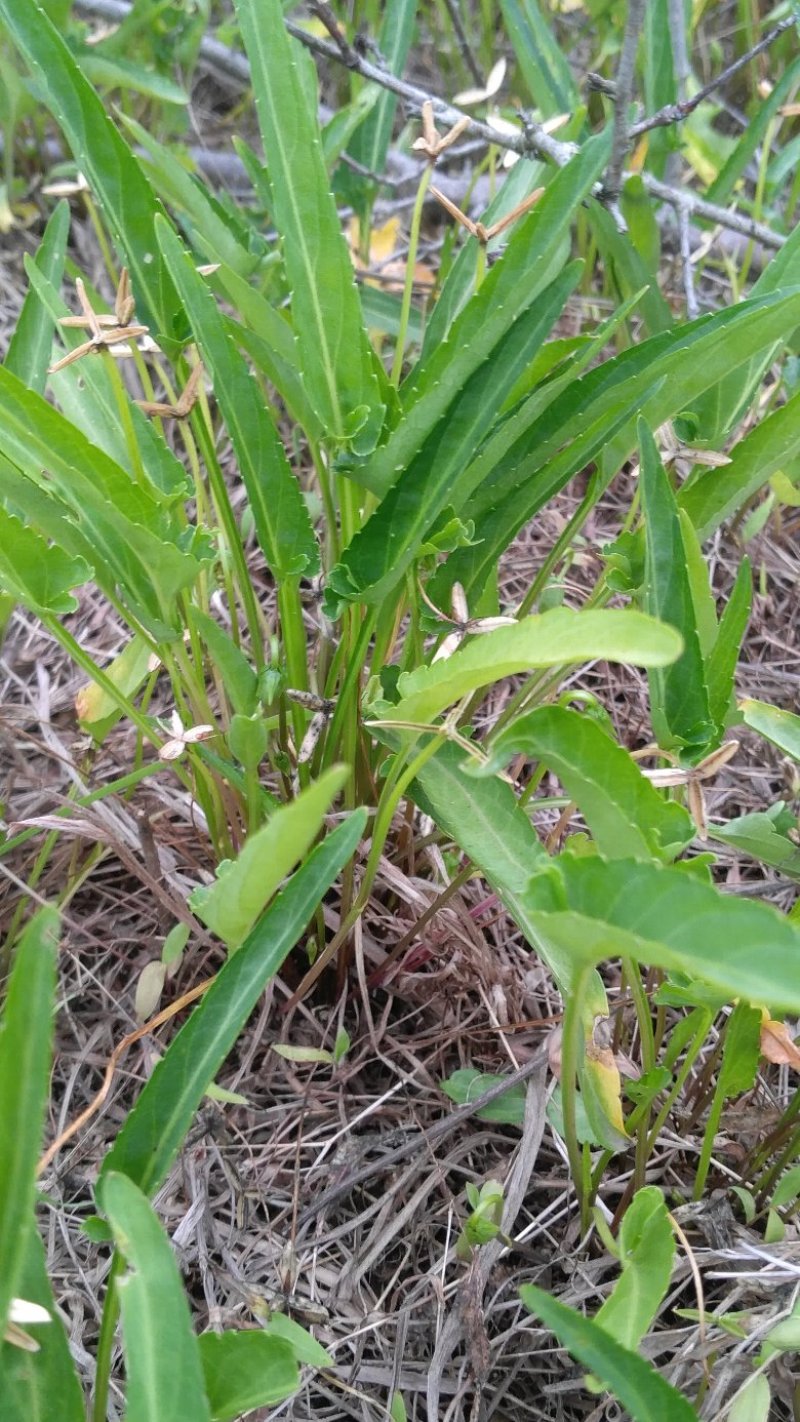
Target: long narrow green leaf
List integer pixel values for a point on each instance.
(535, 248)
(678, 693)
(36, 437)
(127, 200)
(26, 1038)
(162, 1354)
(759, 121)
(723, 659)
(152, 1134)
(43, 1386)
(625, 813)
(527, 461)
(279, 511)
(544, 65)
(387, 544)
(459, 283)
(718, 410)
(625, 266)
(28, 354)
(336, 355)
(718, 494)
(215, 237)
(370, 143)
(660, 85)
(553, 639)
(129, 538)
(640, 1389)
(669, 919)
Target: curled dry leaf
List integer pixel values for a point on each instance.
(778, 1045)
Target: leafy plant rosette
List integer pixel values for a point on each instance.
(355, 686)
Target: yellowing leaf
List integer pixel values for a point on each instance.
(778, 1045)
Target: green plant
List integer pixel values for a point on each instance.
(381, 506)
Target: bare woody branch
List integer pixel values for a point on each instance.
(626, 73)
(676, 113)
(533, 143)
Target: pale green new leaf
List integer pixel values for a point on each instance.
(626, 815)
(153, 1131)
(757, 834)
(637, 1385)
(336, 357)
(162, 1355)
(231, 905)
(647, 1251)
(26, 1037)
(280, 514)
(555, 638)
(117, 181)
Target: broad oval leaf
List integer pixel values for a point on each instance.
(647, 1251)
(246, 1369)
(39, 575)
(627, 816)
(670, 919)
(553, 638)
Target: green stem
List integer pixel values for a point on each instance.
(411, 259)
(572, 1046)
(201, 422)
(347, 700)
(105, 1343)
(126, 420)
